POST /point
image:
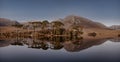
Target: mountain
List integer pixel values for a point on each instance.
(7, 22)
(69, 22)
(72, 20)
(116, 27)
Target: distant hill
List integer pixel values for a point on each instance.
(72, 20)
(116, 27)
(68, 22)
(7, 22)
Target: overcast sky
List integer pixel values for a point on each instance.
(105, 11)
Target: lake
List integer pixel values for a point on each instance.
(59, 49)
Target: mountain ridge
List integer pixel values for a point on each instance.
(7, 22)
(81, 21)
(68, 22)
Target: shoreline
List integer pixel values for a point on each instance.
(100, 33)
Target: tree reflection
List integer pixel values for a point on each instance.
(78, 45)
(55, 43)
(18, 41)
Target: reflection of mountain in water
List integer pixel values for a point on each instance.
(4, 43)
(55, 43)
(84, 44)
(115, 40)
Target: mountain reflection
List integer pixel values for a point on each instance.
(55, 43)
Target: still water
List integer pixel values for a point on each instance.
(59, 49)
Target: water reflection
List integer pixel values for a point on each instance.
(55, 43)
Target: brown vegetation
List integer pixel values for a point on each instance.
(71, 26)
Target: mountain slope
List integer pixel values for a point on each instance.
(80, 21)
(7, 22)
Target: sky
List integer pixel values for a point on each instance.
(104, 11)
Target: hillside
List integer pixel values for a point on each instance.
(71, 20)
(7, 22)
